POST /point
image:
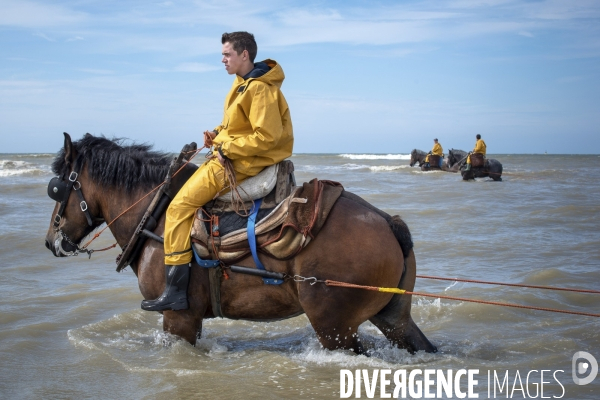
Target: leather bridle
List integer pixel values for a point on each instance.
(59, 190)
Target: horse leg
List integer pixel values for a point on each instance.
(495, 170)
(182, 323)
(186, 324)
(466, 175)
(335, 324)
(337, 333)
(371, 256)
(394, 320)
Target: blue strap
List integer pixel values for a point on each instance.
(252, 241)
(205, 263)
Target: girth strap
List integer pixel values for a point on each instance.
(252, 241)
(214, 278)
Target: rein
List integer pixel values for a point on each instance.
(137, 202)
(58, 187)
(237, 204)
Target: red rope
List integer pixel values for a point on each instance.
(505, 304)
(377, 289)
(510, 284)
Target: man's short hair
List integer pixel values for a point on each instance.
(435, 140)
(478, 136)
(241, 41)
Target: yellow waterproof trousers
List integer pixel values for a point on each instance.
(469, 158)
(201, 188)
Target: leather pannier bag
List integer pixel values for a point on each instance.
(477, 160)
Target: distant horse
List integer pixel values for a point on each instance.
(419, 156)
(492, 168)
(456, 158)
(98, 178)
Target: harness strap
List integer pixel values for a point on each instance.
(72, 179)
(252, 241)
(214, 278)
(83, 204)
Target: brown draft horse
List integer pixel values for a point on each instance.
(358, 244)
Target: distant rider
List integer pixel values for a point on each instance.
(480, 148)
(436, 151)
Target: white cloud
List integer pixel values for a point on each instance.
(123, 26)
(29, 14)
(45, 37)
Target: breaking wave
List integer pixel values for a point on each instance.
(16, 168)
(376, 156)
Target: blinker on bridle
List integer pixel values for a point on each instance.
(59, 190)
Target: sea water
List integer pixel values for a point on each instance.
(73, 327)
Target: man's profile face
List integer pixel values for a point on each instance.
(233, 61)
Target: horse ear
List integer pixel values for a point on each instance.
(69, 150)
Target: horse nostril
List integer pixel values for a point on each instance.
(47, 244)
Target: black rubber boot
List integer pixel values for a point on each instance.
(175, 295)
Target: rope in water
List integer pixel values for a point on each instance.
(510, 284)
(495, 303)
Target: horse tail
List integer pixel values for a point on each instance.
(402, 234)
(397, 225)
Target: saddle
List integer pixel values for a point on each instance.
(289, 217)
(477, 160)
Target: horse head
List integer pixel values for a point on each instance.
(451, 157)
(414, 157)
(74, 215)
(456, 156)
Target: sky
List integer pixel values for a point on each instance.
(361, 76)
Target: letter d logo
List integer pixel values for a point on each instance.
(583, 367)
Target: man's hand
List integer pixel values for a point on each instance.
(208, 138)
(220, 158)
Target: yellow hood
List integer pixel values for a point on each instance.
(256, 130)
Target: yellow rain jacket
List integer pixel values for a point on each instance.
(256, 131)
(480, 147)
(436, 151)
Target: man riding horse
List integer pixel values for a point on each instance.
(436, 151)
(480, 148)
(256, 132)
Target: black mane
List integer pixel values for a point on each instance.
(110, 163)
(458, 155)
